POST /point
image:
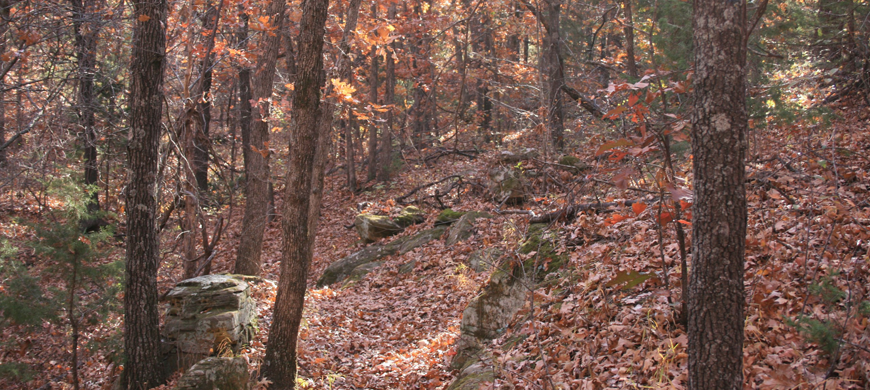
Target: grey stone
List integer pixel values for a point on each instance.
(216, 373)
(484, 259)
(206, 315)
(374, 227)
(507, 185)
(464, 227)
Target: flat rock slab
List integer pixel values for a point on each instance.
(207, 315)
(464, 227)
(344, 268)
(216, 373)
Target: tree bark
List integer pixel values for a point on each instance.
(86, 28)
(389, 100)
(279, 365)
(628, 30)
(202, 94)
(719, 123)
(143, 368)
(256, 155)
(346, 74)
(373, 99)
(551, 67)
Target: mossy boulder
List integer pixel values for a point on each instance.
(464, 227)
(346, 267)
(545, 243)
(222, 373)
(572, 164)
(507, 185)
(372, 227)
(410, 216)
(484, 259)
(474, 376)
(513, 157)
(448, 216)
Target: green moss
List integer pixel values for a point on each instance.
(409, 216)
(448, 216)
(472, 381)
(546, 260)
(568, 160)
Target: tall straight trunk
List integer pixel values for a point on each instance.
(553, 73)
(257, 173)
(5, 8)
(628, 30)
(389, 100)
(279, 365)
(86, 27)
(373, 99)
(143, 368)
(202, 93)
(346, 74)
(719, 124)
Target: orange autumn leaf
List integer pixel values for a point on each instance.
(144, 18)
(638, 207)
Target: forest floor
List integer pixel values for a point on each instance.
(592, 327)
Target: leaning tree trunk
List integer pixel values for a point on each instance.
(143, 368)
(256, 155)
(279, 365)
(719, 123)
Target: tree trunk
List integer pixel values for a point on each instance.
(373, 99)
(202, 94)
(719, 123)
(86, 28)
(279, 365)
(553, 75)
(346, 74)
(143, 368)
(256, 155)
(628, 30)
(389, 100)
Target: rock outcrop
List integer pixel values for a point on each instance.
(342, 269)
(207, 315)
(490, 312)
(463, 228)
(372, 227)
(507, 185)
(216, 373)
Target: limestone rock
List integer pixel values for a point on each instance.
(507, 185)
(208, 314)
(513, 157)
(410, 216)
(448, 216)
(374, 227)
(343, 268)
(464, 227)
(484, 259)
(216, 373)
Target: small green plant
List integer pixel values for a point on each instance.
(69, 255)
(827, 332)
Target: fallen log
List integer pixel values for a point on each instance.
(584, 101)
(443, 152)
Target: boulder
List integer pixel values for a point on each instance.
(572, 164)
(448, 216)
(474, 376)
(345, 267)
(216, 373)
(372, 227)
(507, 185)
(410, 216)
(207, 315)
(513, 157)
(484, 259)
(464, 227)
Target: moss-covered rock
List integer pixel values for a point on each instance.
(216, 373)
(546, 260)
(473, 376)
(410, 216)
(507, 185)
(448, 216)
(464, 227)
(572, 164)
(484, 259)
(513, 157)
(374, 227)
(345, 267)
